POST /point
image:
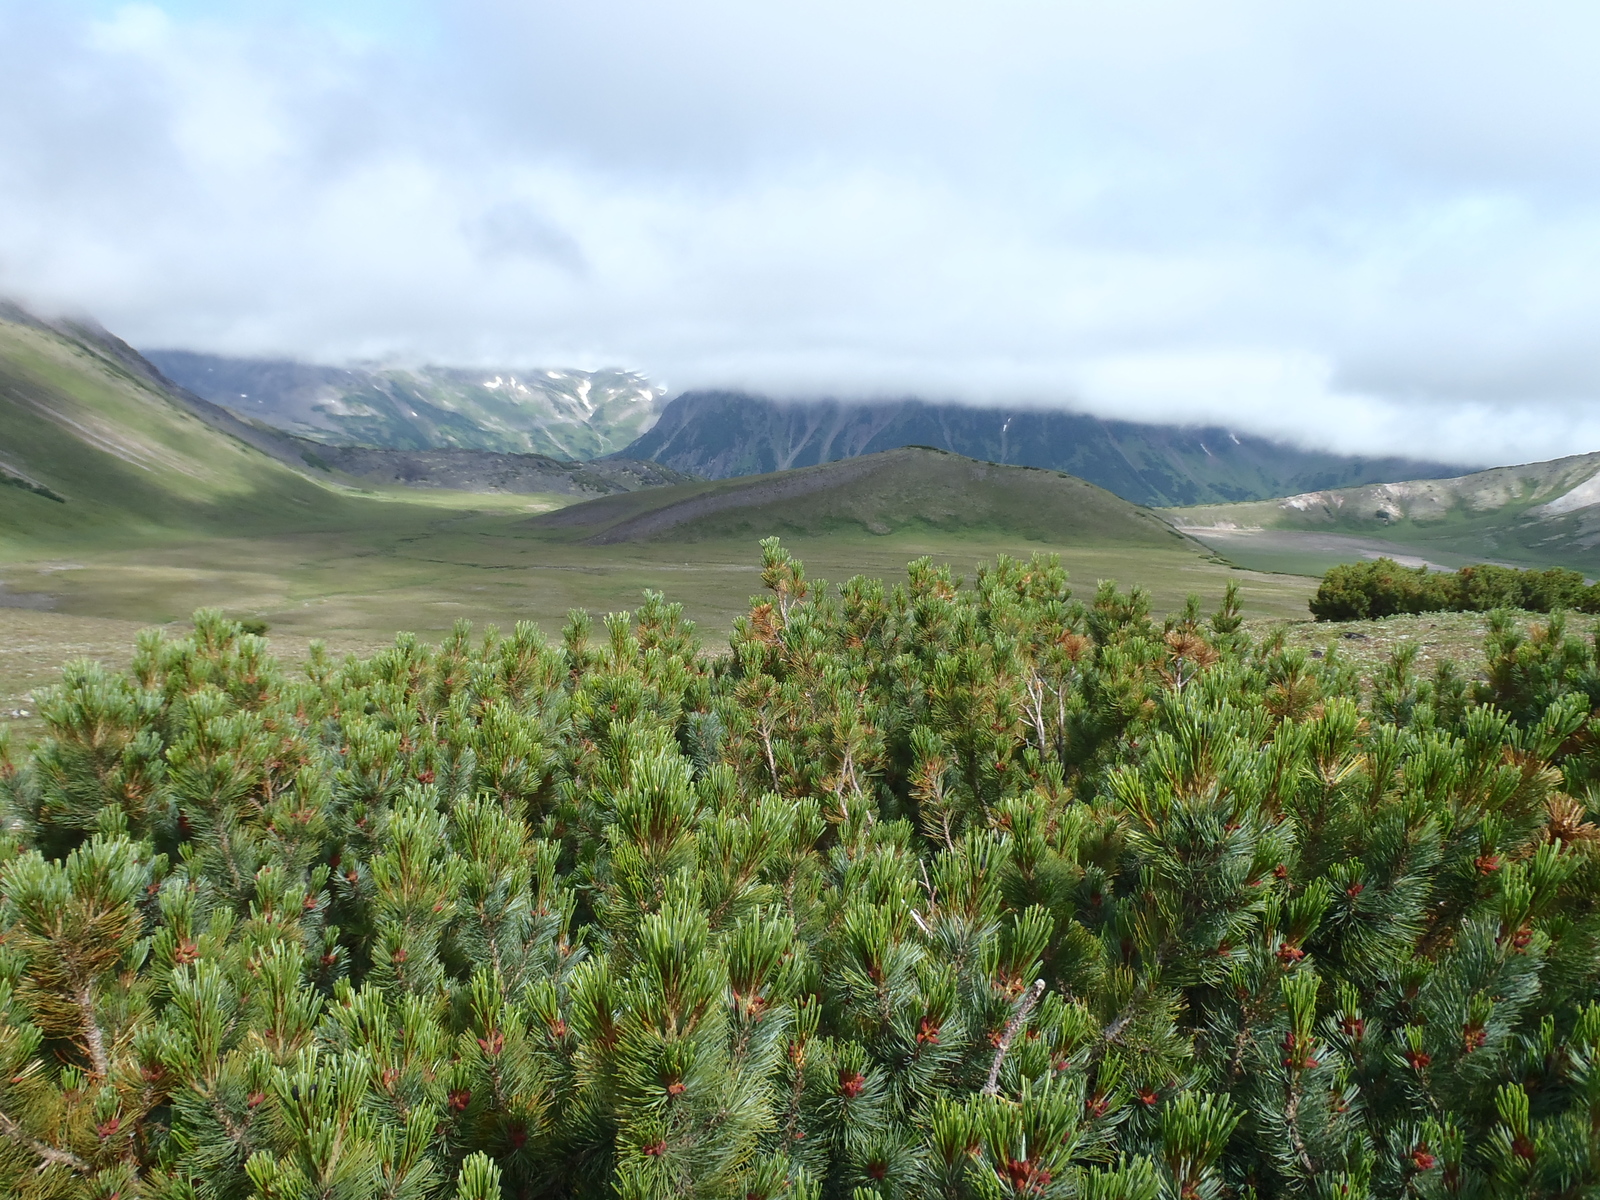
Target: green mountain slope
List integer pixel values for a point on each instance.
(565, 414)
(1537, 514)
(95, 443)
(97, 449)
(722, 434)
(913, 488)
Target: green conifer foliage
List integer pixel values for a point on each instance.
(945, 890)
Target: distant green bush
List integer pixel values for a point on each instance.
(1382, 588)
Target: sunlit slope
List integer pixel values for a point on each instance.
(94, 451)
(1539, 513)
(905, 490)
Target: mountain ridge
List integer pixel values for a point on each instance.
(722, 434)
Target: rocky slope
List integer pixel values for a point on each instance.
(479, 470)
(564, 414)
(1536, 513)
(99, 449)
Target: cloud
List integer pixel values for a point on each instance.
(1373, 227)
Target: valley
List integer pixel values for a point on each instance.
(134, 503)
(569, 414)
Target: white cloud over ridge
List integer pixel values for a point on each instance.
(1372, 227)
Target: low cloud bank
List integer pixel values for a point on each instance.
(1374, 229)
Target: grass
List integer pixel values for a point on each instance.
(908, 490)
(1368, 645)
(486, 568)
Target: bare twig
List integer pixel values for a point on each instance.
(1292, 1117)
(50, 1154)
(1019, 1018)
(92, 1037)
(1114, 1030)
(772, 763)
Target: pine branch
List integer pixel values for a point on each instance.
(237, 1134)
(1013, 1027)
(50, 1154)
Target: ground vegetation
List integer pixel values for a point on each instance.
(972, 890)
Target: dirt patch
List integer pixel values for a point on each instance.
(37, 601)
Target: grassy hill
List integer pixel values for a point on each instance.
(1538, 514)
(717, 435)
(896, 491)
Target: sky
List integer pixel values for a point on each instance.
(1372, 227)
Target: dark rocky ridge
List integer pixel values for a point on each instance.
(720, 434)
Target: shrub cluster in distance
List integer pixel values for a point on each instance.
(942, 891)
(1383, 588)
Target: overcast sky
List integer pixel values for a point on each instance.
(1368, 226)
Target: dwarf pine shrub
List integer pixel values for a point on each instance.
(1383, 588)
(950, 890)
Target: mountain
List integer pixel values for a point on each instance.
(480, 471)
(124, 496)
(564, 414)
(903, 490)
(1537, 514)
(723, 434)
(96, 445)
